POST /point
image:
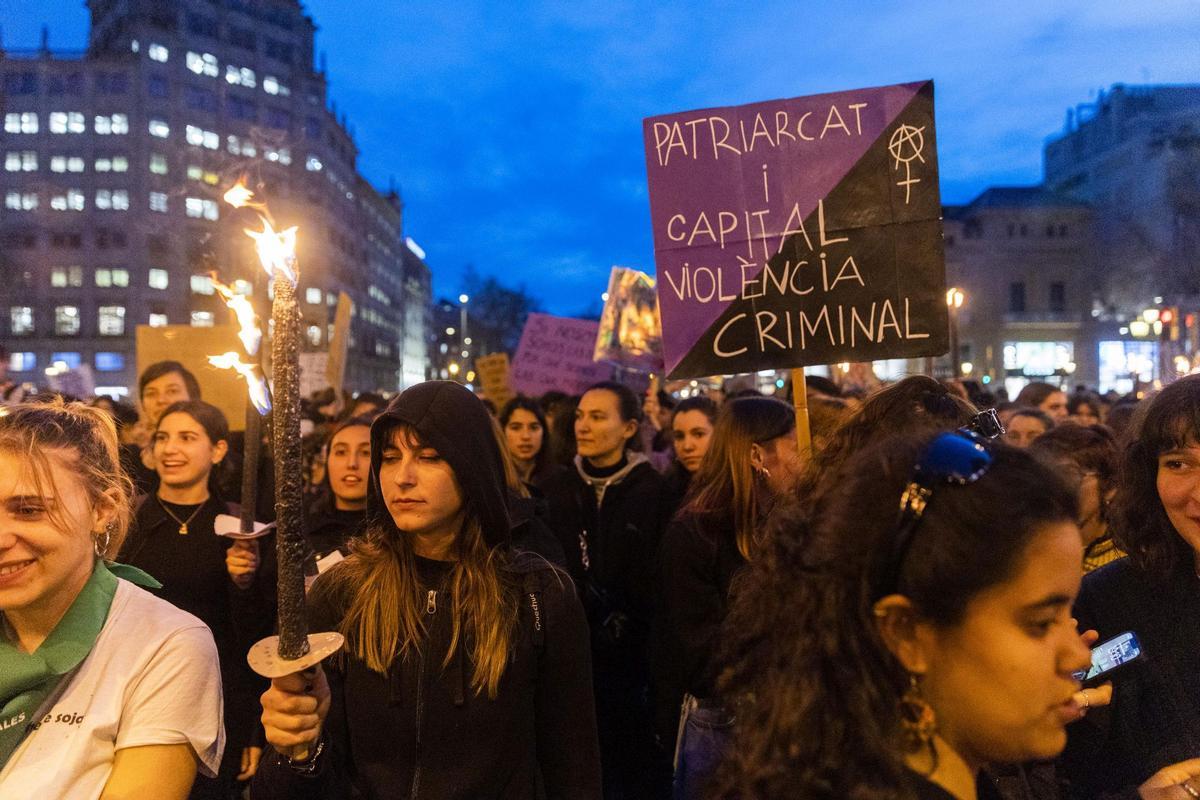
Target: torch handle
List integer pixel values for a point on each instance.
(250, 456)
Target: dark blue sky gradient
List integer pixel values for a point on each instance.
(514, 129)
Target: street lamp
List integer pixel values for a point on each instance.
(954, 301)
(463, 299)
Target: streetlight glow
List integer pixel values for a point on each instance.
(462, 298)
(955, 297)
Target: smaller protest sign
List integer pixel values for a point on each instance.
(630, 334)
(192, 347)
(313, 370)
(339, 343)
(555, 353)
(494, 378)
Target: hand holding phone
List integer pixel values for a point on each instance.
(1109, 656)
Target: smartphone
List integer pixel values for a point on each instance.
(1108, 656)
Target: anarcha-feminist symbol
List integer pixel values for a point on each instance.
(906, 144)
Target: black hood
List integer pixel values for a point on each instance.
(453, 421)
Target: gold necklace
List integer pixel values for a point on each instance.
(182, 523)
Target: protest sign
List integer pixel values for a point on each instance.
(630, 334)
(339, 343)
(556, 353)
(795, 232)
(493, 377)
(191, 347)
(313, 369)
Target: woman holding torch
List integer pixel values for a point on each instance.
(220, 580)
(466, 671)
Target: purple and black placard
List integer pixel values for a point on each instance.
(796, 232)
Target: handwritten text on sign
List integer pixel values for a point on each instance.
(555, 353)
(798, 231)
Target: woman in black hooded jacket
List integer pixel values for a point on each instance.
(466, 669)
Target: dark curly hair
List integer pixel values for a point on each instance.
(916, 403)
(1169, 420)
(819, 691)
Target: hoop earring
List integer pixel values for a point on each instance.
(917, 720)
(101, 546)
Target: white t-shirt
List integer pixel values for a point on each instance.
(151, 678)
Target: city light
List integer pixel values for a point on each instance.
(464, 299)
(453, 368)
(967, 368)
(955, 297)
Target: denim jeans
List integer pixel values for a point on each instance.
(705, 735)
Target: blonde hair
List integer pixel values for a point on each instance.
(82, 439)
(386, 613)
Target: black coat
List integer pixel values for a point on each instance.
(699, 561)
(422, 732)
(1154, 719)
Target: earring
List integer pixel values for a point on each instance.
(101, 545)
(917, 720)
(763, 472)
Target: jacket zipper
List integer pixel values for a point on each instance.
(430, 609)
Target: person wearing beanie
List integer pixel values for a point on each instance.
(466, 670)
(608, 513)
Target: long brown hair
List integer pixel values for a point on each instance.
(385, 618)
(726, 480)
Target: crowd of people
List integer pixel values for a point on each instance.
(609, 596)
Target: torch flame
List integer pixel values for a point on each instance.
(238, 195)
(257, 385)
(276, 250)
(239, 304)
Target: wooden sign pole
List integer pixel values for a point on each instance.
(800, 401)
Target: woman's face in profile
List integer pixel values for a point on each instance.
(1000, 682)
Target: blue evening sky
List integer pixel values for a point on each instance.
(514, 129)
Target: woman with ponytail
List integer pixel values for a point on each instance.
(751, 462)
(465, 672)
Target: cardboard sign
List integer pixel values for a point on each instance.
(796, 232)
(493, 377)
(630, 333)
(335, 367)
(192, 347)
(313, 368)
(555, 353)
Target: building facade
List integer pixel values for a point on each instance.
(115, 160)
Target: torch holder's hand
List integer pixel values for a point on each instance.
(295, 706)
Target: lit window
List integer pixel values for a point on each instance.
(110, 362)
(199, 137)
(67, 122)
(112, 124)
(108, 277)
(66, 164)
(160, 128)
(241, 147)
(202, 63)
(20, 320)
(282, 155)
(158, 321)
(114, 199)
(111, 321)
(198, 173)
(71, 201)
(313, 295)
(21, 201)
(202, 319)
(66, 320)
(135, 46)
(112, 164)
(158, 202)
(198, 207)
(240, 76)
(314, 335)
(159, 278)
(20, 161)
(65, 360)
(157, 52)
(21, 122)
(22, 362)
(61, 277)
(271, 85)
(313, 164)
(202, 284)
(158, 163)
